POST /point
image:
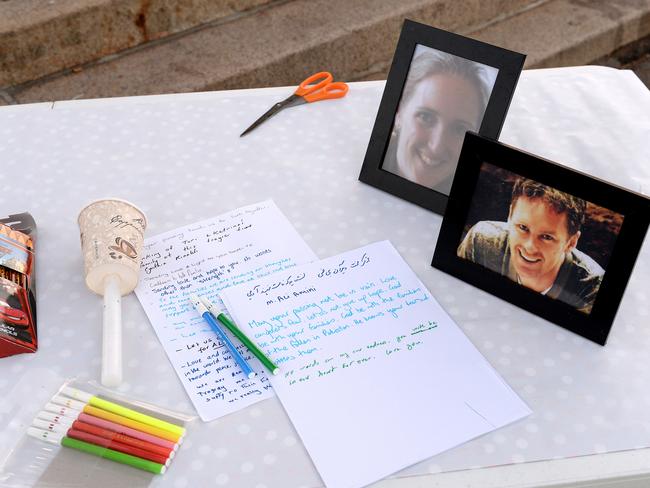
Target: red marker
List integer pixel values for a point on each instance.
(124, 439)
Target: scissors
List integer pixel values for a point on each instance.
(318, 86)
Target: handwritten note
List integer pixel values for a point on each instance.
(205, 258)
(374, 375)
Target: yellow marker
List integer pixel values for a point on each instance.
(95, 401)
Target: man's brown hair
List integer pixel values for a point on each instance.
(561, 202)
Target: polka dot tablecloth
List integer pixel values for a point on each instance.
(180, 159)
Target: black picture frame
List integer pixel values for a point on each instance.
(634, 209)
(509, 65)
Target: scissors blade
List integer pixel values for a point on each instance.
(268, 114)
(292, 100)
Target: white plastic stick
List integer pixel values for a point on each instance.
(112, 333)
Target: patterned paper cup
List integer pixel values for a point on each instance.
(112, 233)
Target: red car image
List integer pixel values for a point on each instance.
(12, 315)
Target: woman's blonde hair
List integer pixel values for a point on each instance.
(435, 62)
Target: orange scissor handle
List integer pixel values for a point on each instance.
(313, 83)
(338, 89)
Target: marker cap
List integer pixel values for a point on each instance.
(45, 435)
(56, 418)
(76, 394)
(49, 426)
(68, 402)
(61, 410)
(198, 304)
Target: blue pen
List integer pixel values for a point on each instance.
(203, 312)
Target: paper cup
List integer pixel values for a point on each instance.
(112, 234)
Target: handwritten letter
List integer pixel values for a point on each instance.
(374, 375)
(205, 258)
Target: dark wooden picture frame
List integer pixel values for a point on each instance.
(629, 209)
(508, 66)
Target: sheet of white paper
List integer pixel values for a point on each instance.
(375, 376)
(204, 258)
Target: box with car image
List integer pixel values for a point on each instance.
(17, 290)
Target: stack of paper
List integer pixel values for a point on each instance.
(375, 375)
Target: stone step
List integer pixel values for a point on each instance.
(39, 37)
(634, 56)
(275, 46)
(562, 32)
(285, 41)
(571, 32)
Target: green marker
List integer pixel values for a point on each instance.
(95, 401)
(252, 347)
(118, 457)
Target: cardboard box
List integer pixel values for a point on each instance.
(17, 291)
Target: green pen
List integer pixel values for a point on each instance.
(230, 325)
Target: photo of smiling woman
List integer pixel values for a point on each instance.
(530, 232)
(444, 96)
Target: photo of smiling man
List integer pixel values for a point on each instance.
(537, 246)
(444, 96)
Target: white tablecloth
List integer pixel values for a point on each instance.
(180, 159)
